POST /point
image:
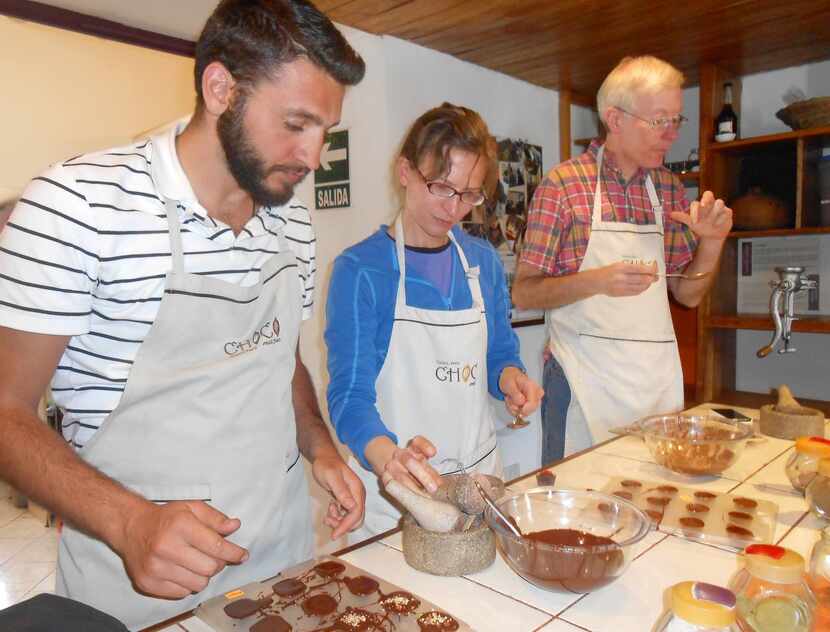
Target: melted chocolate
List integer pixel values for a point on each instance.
(630, 483)
(605, 508)
(357, 620)
(659, 502)
(242, 608)
(577, 567)
(361, 585)
(288, 588)
(744, 503)
(696, 508)
(739, 515)
(690, 522)
(667, 489)
(271, 623)
(435, 621)
(320, 605)
(400, 602)
(624, 494)
(740, 532)
(329, 568)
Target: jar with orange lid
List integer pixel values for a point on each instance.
(802, 465)
(772, 592)
(699, 607)
(818, 491)
(819, 578)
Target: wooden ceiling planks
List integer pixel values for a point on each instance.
(572, 44)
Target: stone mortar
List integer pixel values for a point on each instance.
(789, 426)
(448, 554)
(459, 491)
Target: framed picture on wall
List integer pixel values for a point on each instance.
(502, 219)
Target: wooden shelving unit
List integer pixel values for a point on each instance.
(721, 168)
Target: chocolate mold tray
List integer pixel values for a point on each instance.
(722, 519)
(325, 594)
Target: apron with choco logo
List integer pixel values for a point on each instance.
(207, 414)
(619, 353)
(434, 383)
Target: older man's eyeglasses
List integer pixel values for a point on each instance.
(473, 197)
(661, 123)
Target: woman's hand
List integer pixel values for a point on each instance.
(521, 394)
(407, 465)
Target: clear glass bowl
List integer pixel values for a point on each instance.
(694, 444)
(589, 537)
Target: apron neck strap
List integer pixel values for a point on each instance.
(400, 245)
(596, 215)
(171, 208)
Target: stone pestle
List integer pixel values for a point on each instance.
(432, 515)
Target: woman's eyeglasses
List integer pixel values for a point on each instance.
(444, 190)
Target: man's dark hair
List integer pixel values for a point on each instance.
(254, 38)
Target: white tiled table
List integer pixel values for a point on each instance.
(498, 600)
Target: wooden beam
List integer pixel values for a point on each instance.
(564, 125)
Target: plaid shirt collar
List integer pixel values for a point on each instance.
(610, 167)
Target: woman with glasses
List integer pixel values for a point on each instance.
(418, 329)
(609, 234)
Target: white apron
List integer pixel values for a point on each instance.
(434, 383)
(619, 353)
(207, 414)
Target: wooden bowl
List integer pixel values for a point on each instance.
(757, 210)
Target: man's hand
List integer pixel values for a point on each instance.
(521, 394)
(345, 511)
(709, 218)
(407, 465)
(625, 279)
(173, 550)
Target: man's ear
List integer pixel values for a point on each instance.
(613, 119)
(217, 88)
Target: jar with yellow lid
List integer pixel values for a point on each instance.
(802, 466)
(772, 592)
(818, 491)
(699, 607)
(819, 578)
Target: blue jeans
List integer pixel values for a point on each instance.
(554, 411)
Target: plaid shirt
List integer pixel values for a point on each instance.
(559, 218)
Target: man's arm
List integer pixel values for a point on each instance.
(532, 289)
(316, 445)
(169, 551)
(710, 220)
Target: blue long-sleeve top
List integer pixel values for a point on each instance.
(360, 311)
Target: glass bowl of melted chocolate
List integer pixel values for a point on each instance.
(572, 541)
(694, 444)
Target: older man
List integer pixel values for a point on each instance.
(163, 284)
(604, 230)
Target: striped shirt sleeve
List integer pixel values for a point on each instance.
(301, 238)
(680, 241)
(49, 258)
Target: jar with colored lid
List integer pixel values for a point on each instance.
(819, 578)
(802, 466)
(818, 491)
(699, 607)
(772, 592)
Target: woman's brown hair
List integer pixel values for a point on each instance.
(447, 127)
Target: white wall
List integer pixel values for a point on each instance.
(68, 93)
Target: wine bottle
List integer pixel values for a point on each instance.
(726, 125)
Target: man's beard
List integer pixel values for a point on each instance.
(245, 164)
